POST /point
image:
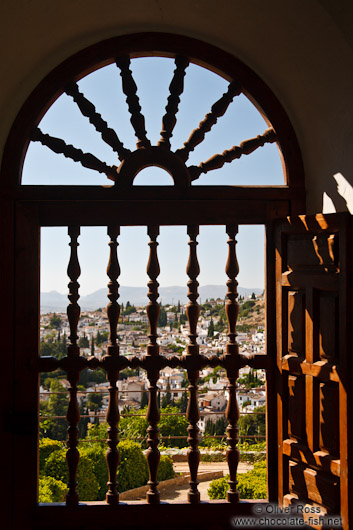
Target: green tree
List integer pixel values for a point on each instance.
(210, 330)
(94, 402)
(144, 399)
(173, 424)
(55, 321)
(182, 403)
(162, 319)
(167, 397)
(55, 428)
(83, 341)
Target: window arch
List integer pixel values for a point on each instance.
(122, 203)
(121, 51)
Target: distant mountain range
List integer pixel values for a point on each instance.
(54, 301)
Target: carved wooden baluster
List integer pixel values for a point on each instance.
(232, 411)
(218, 109)
(153, 456)
(245, 148)
(176, 88)
(192, 413)
(69, 151)
(73, 353)
(87, 108)
(112, 415)
(130, 91)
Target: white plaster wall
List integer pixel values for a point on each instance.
(300, 48)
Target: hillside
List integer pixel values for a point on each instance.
(252, 315)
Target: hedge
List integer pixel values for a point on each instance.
(51, 490)
(251, 485)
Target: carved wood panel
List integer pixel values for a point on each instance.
(313, 297)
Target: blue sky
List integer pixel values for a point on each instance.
(201, 89)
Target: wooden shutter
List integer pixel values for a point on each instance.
(314, 361)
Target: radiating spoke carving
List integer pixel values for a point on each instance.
(88, 109)
(176, 88)
(73, 372)
(232, 365)
(130, 91)
(192, 365)
(218, 109)
(111, 363)
(160, 155)
(69, 151)
(152, 365)
(245, 148)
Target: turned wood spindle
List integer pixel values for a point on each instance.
(245, 148)
(130, 90)
(218, 109)
(153, 415)
(232, 411)
(176, 88)
(112, 416)
(192, 413)
(57, 145)
(73, 372)
(88, 110)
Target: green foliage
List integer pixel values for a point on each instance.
(83, 341)
(250, 380)
(94, 401)
(134, 426)
(246, 308)
(88, 486)
(216, 444)
(165, 468)
(167, 397)
(128, 309)
(212, 457)
(182, 403)
(55, 322)
(132, 471)
(57, 406)
(101, 337)
(97, 433)
(210, 329)
(218, 427)
(173, 426)
(253, 424)
(251, 485)
(162, 319)
(218, 488)
(46, 447)
(96, 455)
(51, 490)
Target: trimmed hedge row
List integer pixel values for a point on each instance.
(251, 485)
(92, 475)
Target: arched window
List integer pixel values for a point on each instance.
(202, 190)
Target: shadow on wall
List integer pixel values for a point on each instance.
(344, 190)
